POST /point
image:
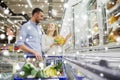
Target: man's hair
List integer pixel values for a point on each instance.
(36, 10)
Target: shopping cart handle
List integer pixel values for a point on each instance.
(45, 56)
(30, 57)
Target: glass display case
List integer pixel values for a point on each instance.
(80, 19)
(96, 24)
(113, 21)
(86, 28)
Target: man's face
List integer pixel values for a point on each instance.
(38, 17)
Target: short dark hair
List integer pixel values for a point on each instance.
(36, 10)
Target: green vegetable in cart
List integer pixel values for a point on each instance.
(28, 69)
(41, 74)
(34, 72)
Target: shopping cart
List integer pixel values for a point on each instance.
(47, 61)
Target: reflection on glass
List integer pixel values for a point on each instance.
(113, 20)
(94, 29)
(80, 25)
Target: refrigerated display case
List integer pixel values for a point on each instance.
(95, 67)
(92, 50)
(113, 20)
(96, 24)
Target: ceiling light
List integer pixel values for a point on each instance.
(6, 11)
(18, 4)
(54, 12)
(62, 0)
(29, 3)
(46, 1)
(1, 1)
(2, 28)
(26, 6)
(15, 21)
(23, 12)
(2, 36)
(59, 25)
(42, 6)
(60, 5)
(38, 0)
(61, 8)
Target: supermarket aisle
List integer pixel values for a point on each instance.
(91, 53)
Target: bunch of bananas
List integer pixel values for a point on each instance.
(59, 40)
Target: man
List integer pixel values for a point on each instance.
(29, 39)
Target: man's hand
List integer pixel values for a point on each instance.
(37, 55)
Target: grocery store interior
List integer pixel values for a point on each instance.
(92, 51)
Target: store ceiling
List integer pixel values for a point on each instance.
(50, 7)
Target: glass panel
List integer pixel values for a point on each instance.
(80, 25)
(113, 21)
(94, 29)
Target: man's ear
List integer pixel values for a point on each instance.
(35, 15)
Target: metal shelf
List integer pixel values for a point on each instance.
(107, 73)
(88, 74)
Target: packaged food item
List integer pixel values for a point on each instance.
(95, 28)
(112, 19)
(112, 37)
(118, 1)
(111, 4)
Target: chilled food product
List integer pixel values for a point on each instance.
(95, 28)
(111, 4)
(118, 1)
(114, 35)
(113, 19)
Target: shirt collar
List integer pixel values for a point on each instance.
(33, 22)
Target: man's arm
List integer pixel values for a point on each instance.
(26, 49)
(21, 39)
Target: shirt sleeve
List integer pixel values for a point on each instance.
(45, 45)
(21, 36)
